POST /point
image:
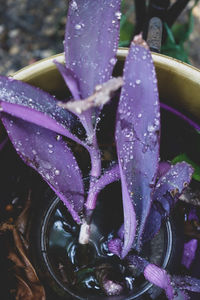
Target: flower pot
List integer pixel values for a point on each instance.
(55, 238)
(179, 86)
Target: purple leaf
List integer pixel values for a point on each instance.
(187, 283)
(170, 186)
(153, 224)
(137, 134)
(163, 168)
(129, 218)
(49, 155)
(70, 79)
(189, 252)
(174, 286)
(91, 41)
(167, 191)
(160, 278)
(31, 104)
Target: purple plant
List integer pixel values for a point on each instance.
(36, 123)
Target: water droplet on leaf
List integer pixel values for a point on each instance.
(138, 81)
(118, 15)
(77, 26)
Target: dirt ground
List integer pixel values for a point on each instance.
(34, 29)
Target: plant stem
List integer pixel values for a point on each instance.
(95, 173)
(96, 185)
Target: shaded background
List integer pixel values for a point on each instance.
(34, 29)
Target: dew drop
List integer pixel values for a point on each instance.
(58, 137)
(138, 81)
(57, 172)
(113, 61)
(45, 164)
(150, 128)
(158, 114)
(74, 5)
(144, 149)
(139, 116)
(47, 176)
(77, 26)
(118, 15)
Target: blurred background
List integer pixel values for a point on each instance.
(31, 30)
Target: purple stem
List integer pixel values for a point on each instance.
(97, 185)
(179, 114)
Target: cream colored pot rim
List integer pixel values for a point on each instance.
(160, 60)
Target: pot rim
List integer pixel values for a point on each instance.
(178, 82)
(160, 60)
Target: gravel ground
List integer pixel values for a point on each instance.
(34, 29)
(29, 31)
